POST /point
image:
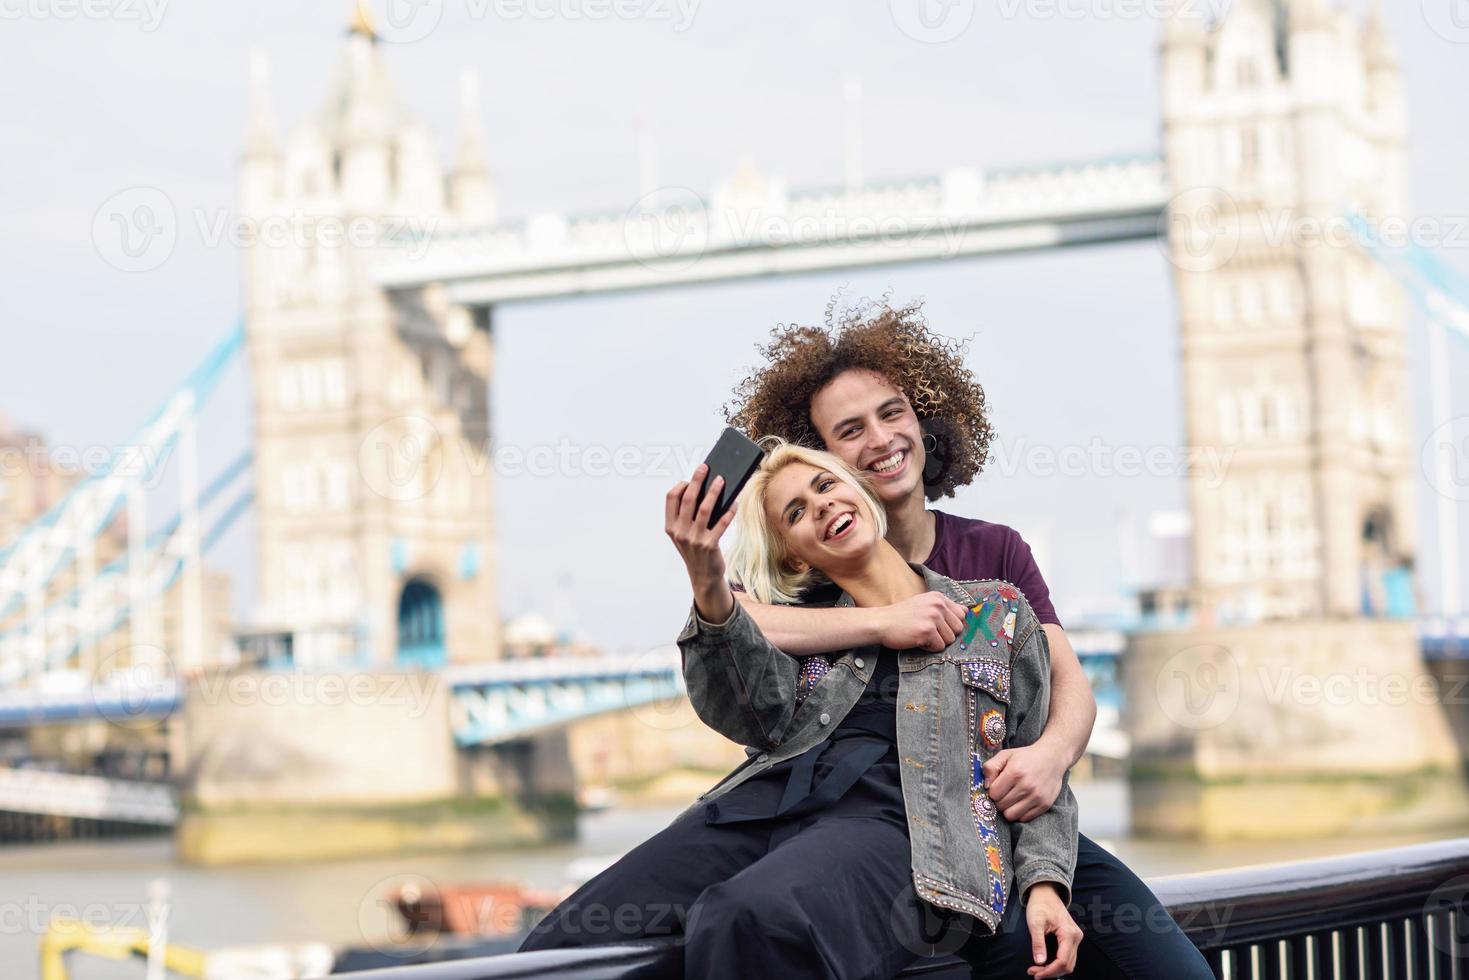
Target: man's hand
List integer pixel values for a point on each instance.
(929, 621)
(1046, 915)
(1024, 782)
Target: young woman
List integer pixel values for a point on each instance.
(900, 406)
(862, 816)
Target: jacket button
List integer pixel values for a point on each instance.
(825, 718)
(762, 757)
(859, 663)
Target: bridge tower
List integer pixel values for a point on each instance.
(370, 409)
(1294, 342)
(1277, 121)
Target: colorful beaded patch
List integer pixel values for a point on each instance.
(992, 675)
(813, 669)
(985, 815)
(992, 728)
(992, 618)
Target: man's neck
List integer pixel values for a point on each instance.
(911, 528)
(884, 579)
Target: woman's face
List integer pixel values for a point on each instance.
(870, 424)
(824, 523)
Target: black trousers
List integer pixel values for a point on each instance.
(836, 899)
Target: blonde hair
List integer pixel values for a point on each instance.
(758, 558)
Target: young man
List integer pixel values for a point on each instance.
(899, 405)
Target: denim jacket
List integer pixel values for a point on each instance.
(957, 708)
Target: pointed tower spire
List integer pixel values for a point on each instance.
(1377, 46)
(260, 164)
(852, 135)
(261, 138)
(647, 157)
(469, 182)
(362, 24)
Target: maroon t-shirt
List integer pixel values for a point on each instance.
(966, 549)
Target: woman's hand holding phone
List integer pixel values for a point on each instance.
(686, 521)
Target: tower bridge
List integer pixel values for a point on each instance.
(370, 365)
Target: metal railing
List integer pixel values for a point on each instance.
(1401, 914)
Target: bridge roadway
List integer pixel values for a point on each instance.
(752, 227)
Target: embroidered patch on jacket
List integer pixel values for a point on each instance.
(992, 728)
(985, 814)
(813, 669)
(992, 619)
(992, 675)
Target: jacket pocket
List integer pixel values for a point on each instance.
(989, 675)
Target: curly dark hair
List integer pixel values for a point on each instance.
(894, 342)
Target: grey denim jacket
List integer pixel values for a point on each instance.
(956, 709)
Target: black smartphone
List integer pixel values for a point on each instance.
(735, 458)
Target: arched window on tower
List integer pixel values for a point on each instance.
(421, 626)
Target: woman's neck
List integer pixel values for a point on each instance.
(911, 527)
(883, 579)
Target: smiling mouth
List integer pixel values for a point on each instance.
(839, 526)
(889, 465)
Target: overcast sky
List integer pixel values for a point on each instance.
(1071, 347)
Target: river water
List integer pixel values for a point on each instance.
(342, 902)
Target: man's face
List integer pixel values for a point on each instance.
(869, 423)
